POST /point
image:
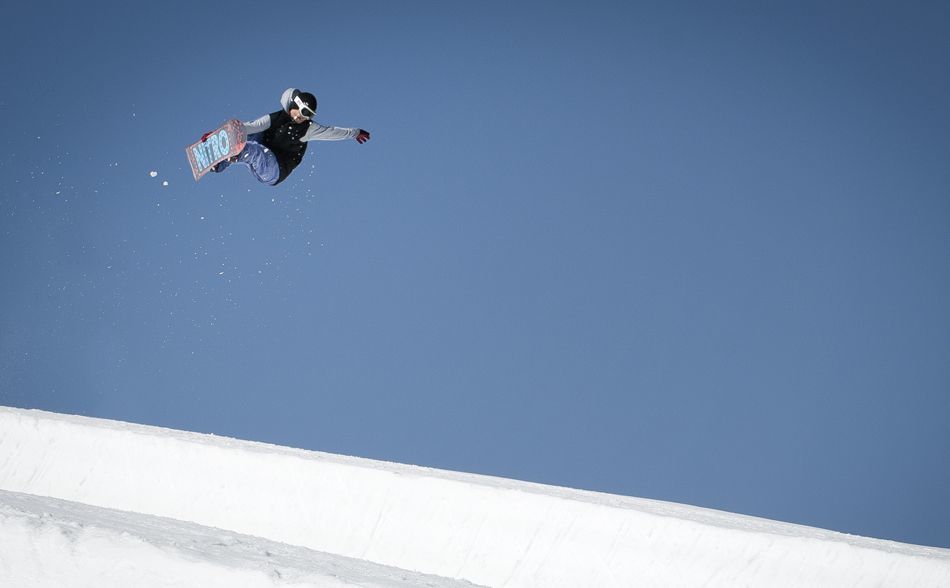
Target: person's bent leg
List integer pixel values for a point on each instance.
(261, 161)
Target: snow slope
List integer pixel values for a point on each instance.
(488, 531)
(45, 542)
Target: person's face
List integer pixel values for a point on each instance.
(297, 116)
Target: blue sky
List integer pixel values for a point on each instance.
(673, 250)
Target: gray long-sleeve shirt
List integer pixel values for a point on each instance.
(316, 132)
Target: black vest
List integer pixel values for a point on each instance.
(283, 138)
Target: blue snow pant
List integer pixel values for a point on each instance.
(259, 159)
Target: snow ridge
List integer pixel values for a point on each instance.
(85, 545)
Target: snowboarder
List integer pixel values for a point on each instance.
(276, 142)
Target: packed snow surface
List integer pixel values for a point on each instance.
(49, 542)
(142, 500)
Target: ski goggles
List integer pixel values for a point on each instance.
(305, 110)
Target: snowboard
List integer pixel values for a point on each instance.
(224, 142)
